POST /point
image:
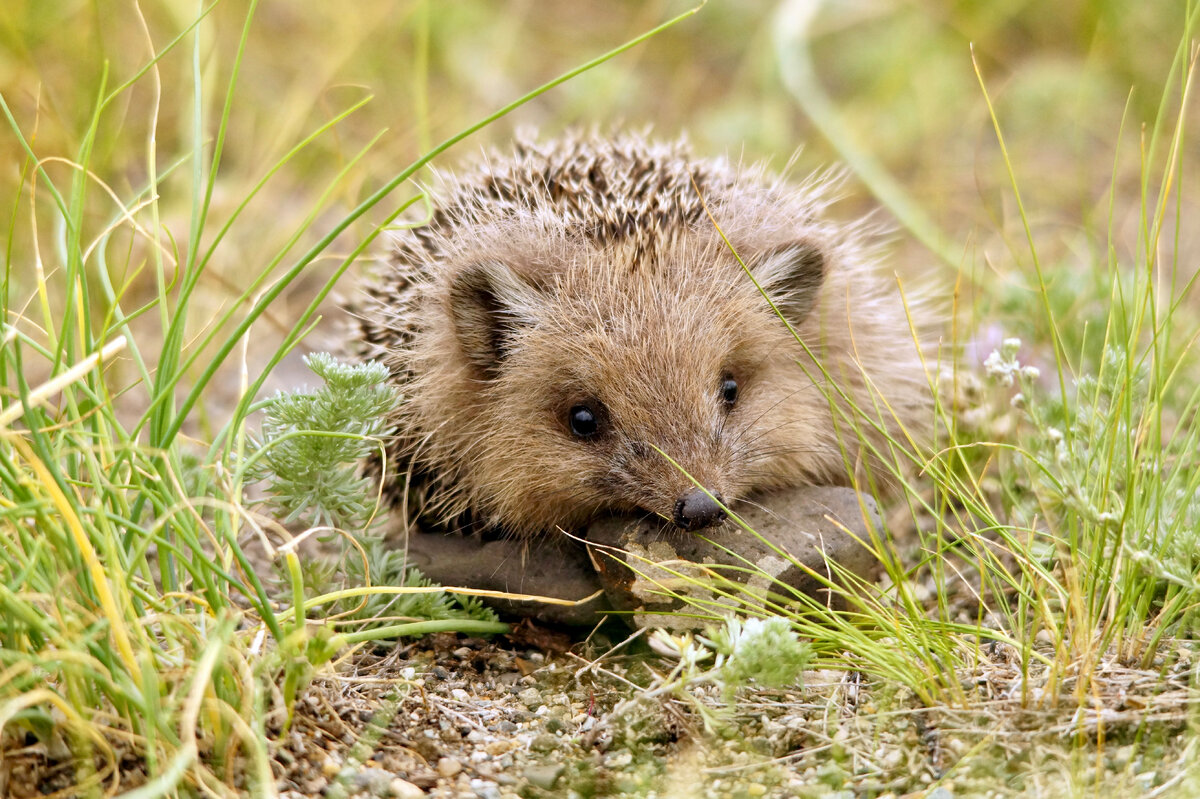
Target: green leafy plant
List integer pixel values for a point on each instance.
(313, 442)
(737, 653)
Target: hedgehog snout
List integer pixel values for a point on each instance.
(698, 509)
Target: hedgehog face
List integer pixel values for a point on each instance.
(664, 394)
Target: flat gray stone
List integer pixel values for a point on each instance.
(628, 560)
(800, 533)
(559, 569)
(546, 776)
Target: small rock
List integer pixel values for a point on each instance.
(448, 767)
(545, 776)
(544, 743)
(403, 789)
(893, 759)
(618, 760)
(374, 781)
(497, 748)
(756, 789)
(530, 697)
(485, 789)
(460, 695)
(561, 571)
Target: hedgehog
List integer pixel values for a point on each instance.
(608, 324)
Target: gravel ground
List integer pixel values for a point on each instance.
(531, 716)
(454, 717)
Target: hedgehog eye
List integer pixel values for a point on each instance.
(729, 391)
(583, 421)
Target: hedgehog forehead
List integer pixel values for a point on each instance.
(660, 344)
(630, 301)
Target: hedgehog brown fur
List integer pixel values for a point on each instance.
(586, 273)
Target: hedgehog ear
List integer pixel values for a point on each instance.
(792, 275)
(489, 304)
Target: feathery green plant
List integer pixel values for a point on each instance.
(312, 444)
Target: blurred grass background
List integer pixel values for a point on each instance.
(1067, 78)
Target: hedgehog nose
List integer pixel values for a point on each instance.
(696, 510)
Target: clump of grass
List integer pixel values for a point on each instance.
(1069, 539)
(736, 654)
(135, 621)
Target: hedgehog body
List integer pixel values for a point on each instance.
(573, 335)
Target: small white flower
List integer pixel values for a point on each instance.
(1000, 368)
(666, 645)
(683, 648)
(1030, 372)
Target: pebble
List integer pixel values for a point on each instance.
(448, 767)
(403, 789)
(530, 697)
(618, 760)
(545, 776)
(485, 789)
(375, 781)
(544, 743)
(497, 748)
